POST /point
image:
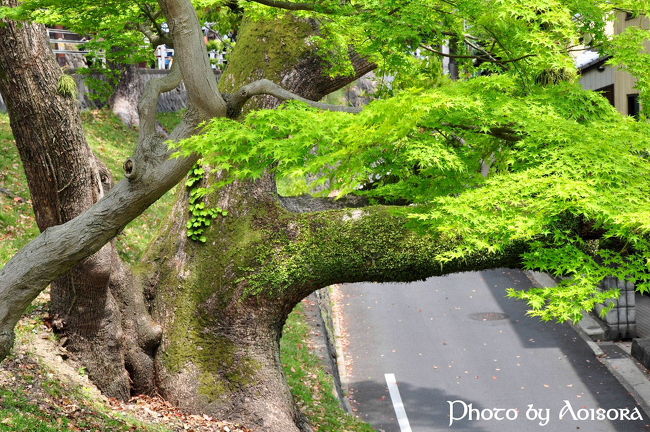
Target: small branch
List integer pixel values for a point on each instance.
(501, 132)
(148, 105)
(153, 18)
(266, 87)
(485, 58)
(457, 56)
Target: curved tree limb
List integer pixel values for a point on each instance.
(150, 173)
(146, 108)
(373, 243)
(59, 248)
(267, 87)
(198, 77)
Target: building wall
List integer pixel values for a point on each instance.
(624, 82)
(595, 79)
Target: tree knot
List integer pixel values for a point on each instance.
(129, 168)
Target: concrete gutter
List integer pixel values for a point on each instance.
(632, 376)
(332, 334)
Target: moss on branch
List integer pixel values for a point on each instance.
(302, 253)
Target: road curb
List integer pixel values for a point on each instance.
(332, 330)
(340, 355)
(626, 370)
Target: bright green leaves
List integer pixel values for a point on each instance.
(527, 38)
(583, 266)
(201, 215)
(563, 166)
(67, 87)
(112, 24)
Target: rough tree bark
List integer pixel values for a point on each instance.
(103, 318)
(222, 304)
(124, 101)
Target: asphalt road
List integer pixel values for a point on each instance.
(444, 340)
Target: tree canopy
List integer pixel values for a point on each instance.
(568, 176)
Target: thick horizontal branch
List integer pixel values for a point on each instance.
(308, 203)
(373, 243)
(287, 5)
(266, 87)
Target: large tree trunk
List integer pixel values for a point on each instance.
(95, 301)
(222, 304)
(124, 101)
(222, 351)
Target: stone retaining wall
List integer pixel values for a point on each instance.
(169, 102)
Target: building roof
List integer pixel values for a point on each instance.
(593, 64)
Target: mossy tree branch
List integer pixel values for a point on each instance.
(312, 250)
(292, 6)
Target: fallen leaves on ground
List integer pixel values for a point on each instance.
(158, 410)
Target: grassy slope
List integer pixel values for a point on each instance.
(35, 397)
(310, 385)
(113, 142)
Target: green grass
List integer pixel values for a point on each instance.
(17, 225)
(33, 398)
(36, 403)
(312, 388)
(113, 142)
(169, 120)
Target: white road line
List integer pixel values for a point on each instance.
(403, 421)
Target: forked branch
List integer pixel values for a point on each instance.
(189, 47)
(148, 105)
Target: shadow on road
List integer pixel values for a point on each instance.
(600, 383)
(424, 409)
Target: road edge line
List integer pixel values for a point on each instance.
(341, 363)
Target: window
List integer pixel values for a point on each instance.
(633, 106)
(608, 93)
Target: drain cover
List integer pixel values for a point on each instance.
(488, 316)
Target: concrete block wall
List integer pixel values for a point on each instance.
(620, 322)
